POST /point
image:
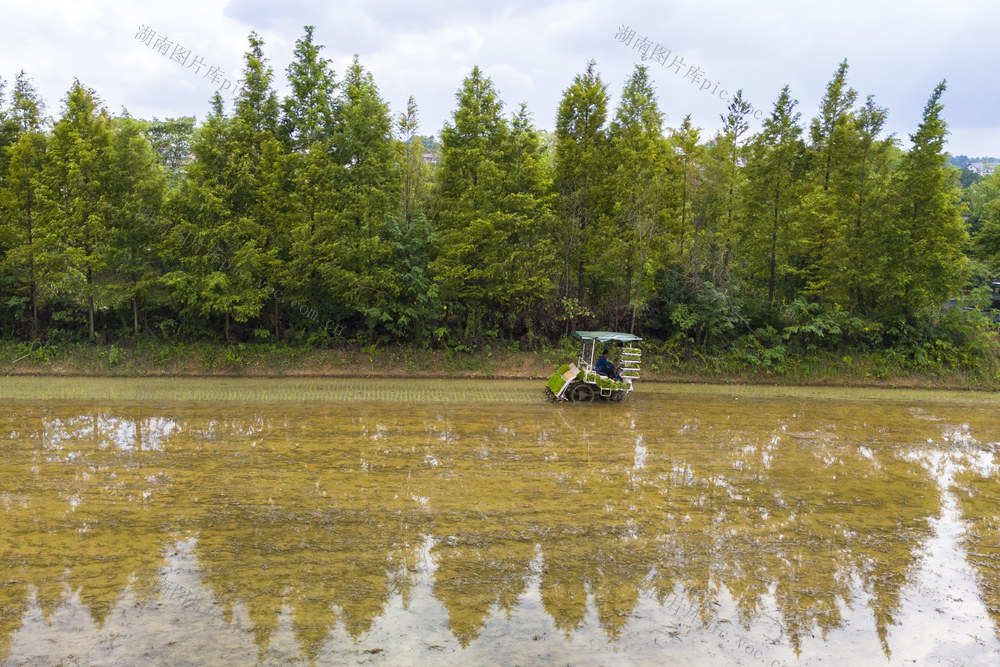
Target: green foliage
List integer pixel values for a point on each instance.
(644, 164)
(811, 325)
(773, 190)
(298, 219)
(581, 175)
(493, 252)
(707, 316)
(170, 140)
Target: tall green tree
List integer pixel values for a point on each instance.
(829, 189)
(488, 204)
(310, 114)
(862, 193)
(232, 204)
(642, 192)
(23, 267)
(525, 215)
(685, 142)
(925, 243)
(773, 189)
(259, 190)
(735, 124)
(580, 177)
(358, 267)
(206, 273)
(468, 249)
(73, 194)
(136, 188)
(414, 171)
(309, 110)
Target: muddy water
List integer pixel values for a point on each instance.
(274, 522)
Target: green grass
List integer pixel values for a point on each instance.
(661, 363)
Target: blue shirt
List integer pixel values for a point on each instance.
(603, 364)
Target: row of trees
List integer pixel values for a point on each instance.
(285, 216)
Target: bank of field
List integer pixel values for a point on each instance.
(941, 368)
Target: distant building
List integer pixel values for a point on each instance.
(982, 168)
(430, 158)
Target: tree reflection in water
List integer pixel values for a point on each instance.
(337, 515)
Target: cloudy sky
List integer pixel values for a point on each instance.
(897, 52)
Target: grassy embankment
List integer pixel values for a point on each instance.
(662, 363)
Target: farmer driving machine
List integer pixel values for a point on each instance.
(581, 381)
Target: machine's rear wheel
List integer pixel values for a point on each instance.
(617, 396)
(583, 393)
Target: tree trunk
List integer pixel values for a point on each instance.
(566, 285)
(228, 340)
(774, 248)
(34, 282)
(34, 308)
(566, 280)
(277, 332)
(135, 314)
(683, 209)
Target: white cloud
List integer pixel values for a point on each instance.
(897, 51)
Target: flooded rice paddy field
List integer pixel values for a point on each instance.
(442, 522)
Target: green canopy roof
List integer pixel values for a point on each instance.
(606, 336)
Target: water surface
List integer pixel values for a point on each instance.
(398, 522)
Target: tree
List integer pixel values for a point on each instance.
(489, 199)
(258, 194)
(684, 140)
(925, 244)
(358, 268)
(171, 142)
(735, 125)
(581, 170)
(74, 198)
(136, 187)
(772, 194)
(26, 113)
(22, 156)
(863, 198)
(827, 186)
(467, 241)
(641, 189)
(308, 113)
(415, 304)
(525, 216)
(984, 220)
(215, 252)
(414, 172)
(828, 129)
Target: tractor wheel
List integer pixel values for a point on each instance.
(617, 396)
(583, 393)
